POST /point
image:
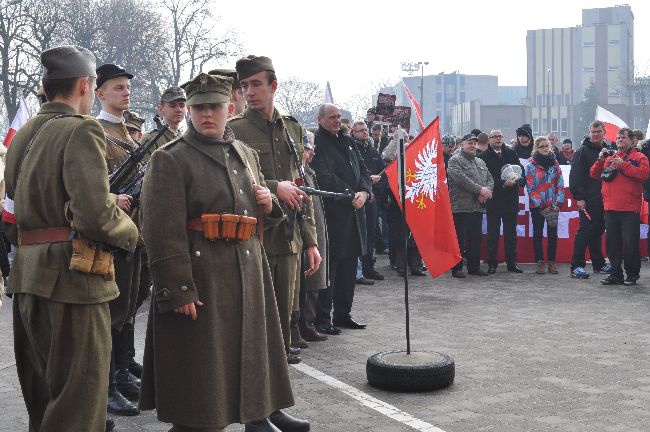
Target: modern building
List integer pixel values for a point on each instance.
(563, 63)
(474, 115)
(441, 93)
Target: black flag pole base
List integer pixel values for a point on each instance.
(415, 372)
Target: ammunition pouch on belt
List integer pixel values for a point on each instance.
(229, 227)
(89, 256)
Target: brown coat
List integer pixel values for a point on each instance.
(229, 365)
(66, 162)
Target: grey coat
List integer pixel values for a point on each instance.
(466, 176)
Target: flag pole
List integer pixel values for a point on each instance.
(402, 193)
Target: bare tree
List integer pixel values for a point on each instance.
(299, 98)
(195, 39)
(358, 105)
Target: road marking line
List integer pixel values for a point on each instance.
(369, 401)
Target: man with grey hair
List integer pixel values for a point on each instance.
(340, 168)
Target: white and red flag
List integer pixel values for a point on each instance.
(428, 209)
(612, 123)
(416, 105)
(22, 115)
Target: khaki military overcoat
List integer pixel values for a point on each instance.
(229, 365)
(72, 151)
(269, 139)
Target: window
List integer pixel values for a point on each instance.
(567, 98)
(588, 44)
(588, 69)
(613, 68)
(554, 124)
(535, 126)
(544, 125)
(564, 126)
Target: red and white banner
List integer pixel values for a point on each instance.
(612, 123)
(416, 105)
(568, 223)
(22, 115)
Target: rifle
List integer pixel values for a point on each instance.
(326, 194)
(120, 177)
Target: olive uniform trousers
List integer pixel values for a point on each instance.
(284, 271)
(62, 356)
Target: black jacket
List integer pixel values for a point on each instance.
(339, 168)
(502, 197)
(374, 163)
(524, 152)
(581, 185)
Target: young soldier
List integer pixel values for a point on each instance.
(172, 110)
(61, 316)
(236, 97)
(133, 123)
(213, 354)
(113, 92)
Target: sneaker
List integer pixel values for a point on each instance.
(541, 267)
(365, 281)
(607, 269)
(612, 280)
(631, 280)
(579, 273)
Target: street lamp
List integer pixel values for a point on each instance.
(411, 67)
(548, 99)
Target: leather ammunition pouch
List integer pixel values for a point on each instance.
(229, 227)
(92, 257)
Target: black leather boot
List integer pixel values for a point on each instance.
(117, 403)
(287, 423)
(261, 426)
(125, 384)
(110, 424)
(134, 367)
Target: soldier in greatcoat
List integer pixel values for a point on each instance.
(214, 353)
(62, 322)
(113, 92)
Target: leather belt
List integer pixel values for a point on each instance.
(45, 235)
(195, 224)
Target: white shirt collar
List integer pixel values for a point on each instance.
(103, 115)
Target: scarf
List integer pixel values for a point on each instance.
(545, 161)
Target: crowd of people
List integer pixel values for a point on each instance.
(248, 233)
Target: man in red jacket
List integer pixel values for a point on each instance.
(623, 174)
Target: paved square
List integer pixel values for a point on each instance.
(533, 353)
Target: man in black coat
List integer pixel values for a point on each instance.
(587, 193)
(504, 205)
(340, 168)
(524, 146)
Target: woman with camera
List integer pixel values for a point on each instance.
(545, 188)
(622, 174)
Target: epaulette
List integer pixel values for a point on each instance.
(289, 117)
(237, 117)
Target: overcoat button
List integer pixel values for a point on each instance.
(197, 253)
(183, 288)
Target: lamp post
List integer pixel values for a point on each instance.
(423, 64)
(548, 100)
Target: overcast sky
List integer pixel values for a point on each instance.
(359, 44)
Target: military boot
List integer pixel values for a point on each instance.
(134, 367)
(125, 384)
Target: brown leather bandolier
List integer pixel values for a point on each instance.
(224, 226)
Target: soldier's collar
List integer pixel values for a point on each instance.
(56, 107)
(259, 121)
(103, 115)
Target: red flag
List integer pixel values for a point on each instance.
(612, 123)
(416, 105)
(428, 209)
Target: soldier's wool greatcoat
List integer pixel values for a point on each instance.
(229, 365)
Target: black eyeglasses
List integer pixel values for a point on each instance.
(496, 136)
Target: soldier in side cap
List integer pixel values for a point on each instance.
(113, 92)
(133, 123)
(278, 139)
(61, 315)
(236, 96)
(214, 353)
(172, 109)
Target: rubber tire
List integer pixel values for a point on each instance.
(428, 376)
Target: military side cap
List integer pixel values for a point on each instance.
(206, 88)
(251, 65)
(133, 121)
(232, 73)
(173, 94)
(67, 61)
(109, 71)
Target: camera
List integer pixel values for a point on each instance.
(610, 152)
(608, 174)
